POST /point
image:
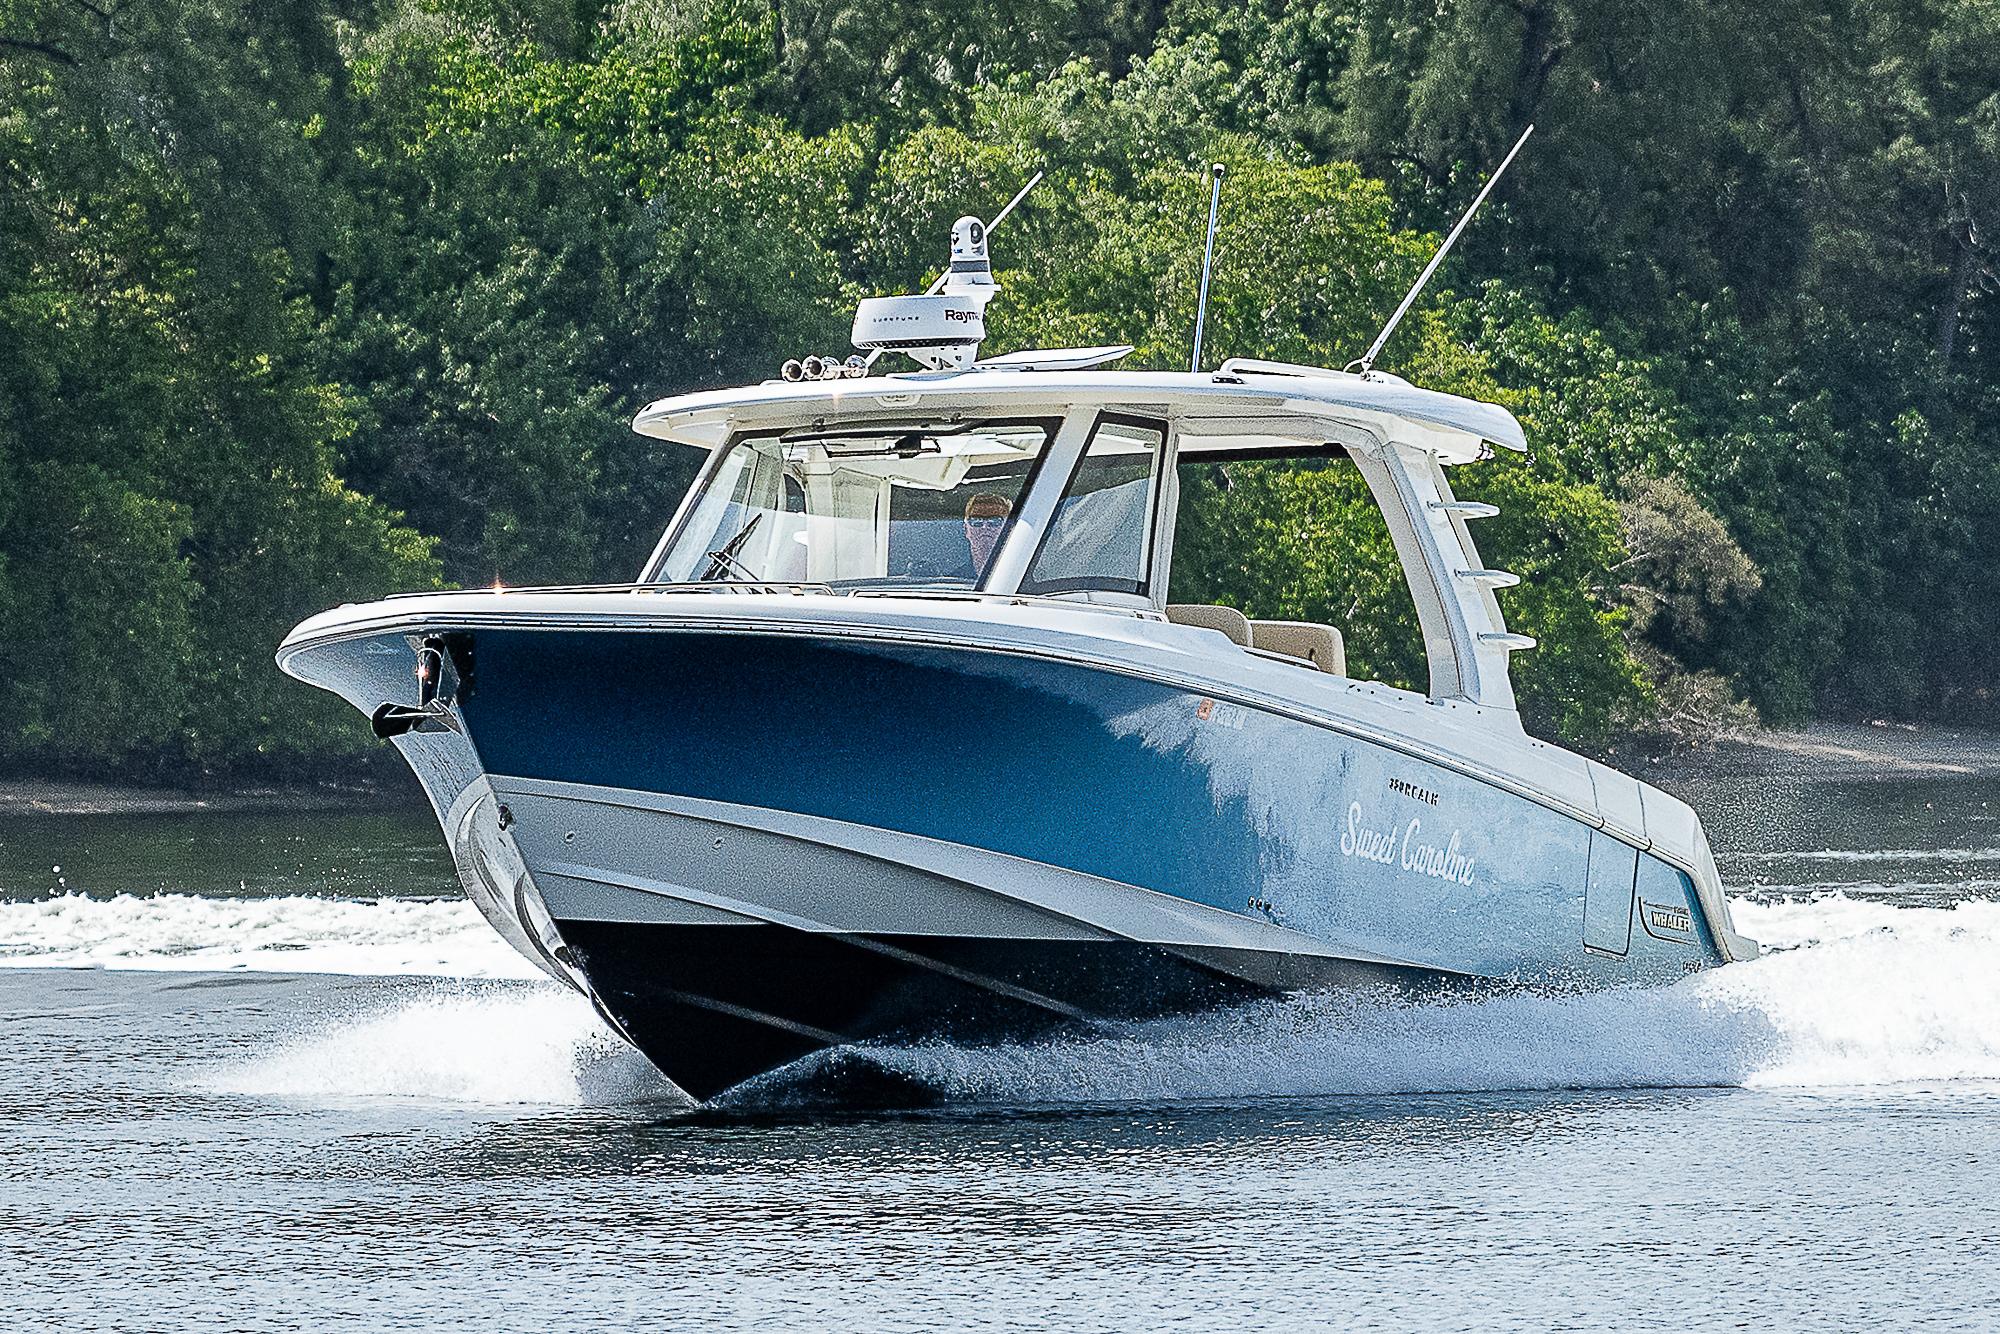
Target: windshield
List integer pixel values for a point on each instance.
(917, 504)
(1101, 536)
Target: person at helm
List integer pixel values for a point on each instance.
(985, 518)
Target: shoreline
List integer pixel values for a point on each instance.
(63, 796)
(1825, 750)
(1851, 751)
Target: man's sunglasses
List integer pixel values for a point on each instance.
(985, 521)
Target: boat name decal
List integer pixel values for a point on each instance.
(1413, 792)
(1405, 848)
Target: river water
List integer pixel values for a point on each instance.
(266, 1071)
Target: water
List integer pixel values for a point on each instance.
(268, 1072)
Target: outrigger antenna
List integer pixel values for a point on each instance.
(1207, 265)
(1367, 361)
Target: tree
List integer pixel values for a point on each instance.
(542, 244)
(175, 508)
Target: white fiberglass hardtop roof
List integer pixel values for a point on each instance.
(1246, 407)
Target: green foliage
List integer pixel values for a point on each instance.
(1682, 570)
(900, 64)
(1563, 538)
(1592, 411)
(309, 302)
(1682, 566)
(171, 502)
(540, 243)
(100, 626)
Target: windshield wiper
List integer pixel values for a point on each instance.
(723, 559)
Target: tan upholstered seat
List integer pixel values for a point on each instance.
(1320, 645)
(1206, 617)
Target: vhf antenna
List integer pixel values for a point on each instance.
(1367, 361)
(1207, 264)
(937, 283)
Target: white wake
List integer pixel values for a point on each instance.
(539, 1044)
(293, 934)
(1852, 991)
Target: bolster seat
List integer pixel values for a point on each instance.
(1320, 645)
(1204, 616)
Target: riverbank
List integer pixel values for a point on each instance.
(61, 796)
(1834, 750)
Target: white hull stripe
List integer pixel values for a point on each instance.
(1097, 906)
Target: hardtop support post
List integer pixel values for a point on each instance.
(1465, 635)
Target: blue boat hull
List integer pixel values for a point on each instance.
(748, 846)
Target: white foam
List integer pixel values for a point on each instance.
(1861, 992)
(1872, 855)
(1918, 890)
(1789, 924)
(295, 934)
(1852, 992)
(537, 1044)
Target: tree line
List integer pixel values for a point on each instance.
(306, 303)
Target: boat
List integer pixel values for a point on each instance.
(897, 737)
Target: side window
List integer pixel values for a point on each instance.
(1101, 536)
(1323, 554)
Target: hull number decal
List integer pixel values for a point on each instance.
(1406, 847)
(1221, 715)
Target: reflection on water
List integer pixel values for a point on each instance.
(1922, 839)
(395, 851)
(263, 1149)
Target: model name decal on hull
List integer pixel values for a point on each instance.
(1405, 848)
(1413, 792)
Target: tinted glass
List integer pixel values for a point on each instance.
(894, 504)
(1101, 538)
